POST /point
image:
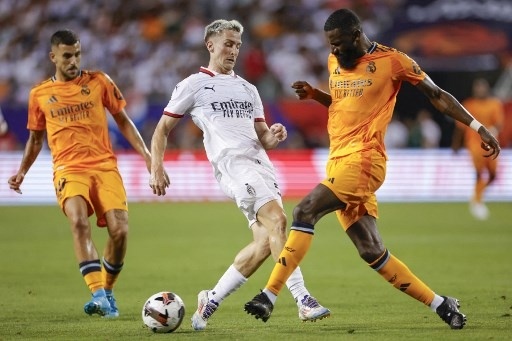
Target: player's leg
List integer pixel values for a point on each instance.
(273, 216)
(73, 196)
(246, 262)
(109, 199)
(114, 254)
(476, 205)
(492, 167)
(89, 263)
(315, 205)
(366, 238)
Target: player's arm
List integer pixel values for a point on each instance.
(270, 137)
(457, 138)
(448, 105)
(32, 149)
(159, 180)
(304, 90)
(130, 132)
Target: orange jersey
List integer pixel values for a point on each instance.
(488, 111)
(363, 99)
(74, 117)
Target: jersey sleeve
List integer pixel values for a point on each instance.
(113, 99)
(405, 68)
(36, 119)
(182, 100)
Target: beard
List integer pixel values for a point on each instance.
(348, 60)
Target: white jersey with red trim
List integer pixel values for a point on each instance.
(225, 108)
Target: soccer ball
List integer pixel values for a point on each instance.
(163, 312)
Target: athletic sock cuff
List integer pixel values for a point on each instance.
(303, 227)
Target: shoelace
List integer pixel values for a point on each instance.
(209, 309)
(310, 302)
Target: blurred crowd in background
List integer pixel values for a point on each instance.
(148, 46)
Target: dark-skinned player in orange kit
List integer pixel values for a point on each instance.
(364, 80)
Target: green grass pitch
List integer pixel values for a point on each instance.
(185, 247)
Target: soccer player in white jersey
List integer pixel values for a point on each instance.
(229, 111)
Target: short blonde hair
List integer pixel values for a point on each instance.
(220, 25)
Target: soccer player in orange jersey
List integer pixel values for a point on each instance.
(70, 108)
(364, 79)
(490, 112)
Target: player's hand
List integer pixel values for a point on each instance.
(159, 181)
(279, 131)
(303, 90)
(489, 143)
(15, 182)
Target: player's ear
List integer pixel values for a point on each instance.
(52, 56)
(209, 46)
(356, 35)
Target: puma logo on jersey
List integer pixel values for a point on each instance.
(210, 88)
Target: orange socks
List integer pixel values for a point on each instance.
(399, 275)
(91, 271)
(296, 247)
(110, 273)
(97, 276)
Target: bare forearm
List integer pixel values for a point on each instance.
(158, 146)
(133, 136)
(448, 105)
(322, 97)
(32, 150)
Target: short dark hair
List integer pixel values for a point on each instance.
(66, 37)
(343, 19)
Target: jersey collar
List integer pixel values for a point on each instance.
(372, 48)
(214, 73)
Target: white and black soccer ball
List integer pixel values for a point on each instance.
(163, 312)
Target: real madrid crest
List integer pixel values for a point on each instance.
(85, 90)
(371, 67)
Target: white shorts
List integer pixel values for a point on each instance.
(250, 182)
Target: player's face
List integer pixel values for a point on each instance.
(345, 47)
(224, 49)
(481, 88)
(67, 61)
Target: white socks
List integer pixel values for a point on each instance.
(230, 281)
(295, 284)
(436, 302)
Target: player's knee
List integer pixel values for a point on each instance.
(371, 253)
(79, 224)
(117, 223)
(119, 231)
(279, 222)
(276, 218)
(303, 213)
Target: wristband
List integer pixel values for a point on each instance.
(475, 125)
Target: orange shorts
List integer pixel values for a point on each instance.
(102, 190)
(354, 179)
(480, 161)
